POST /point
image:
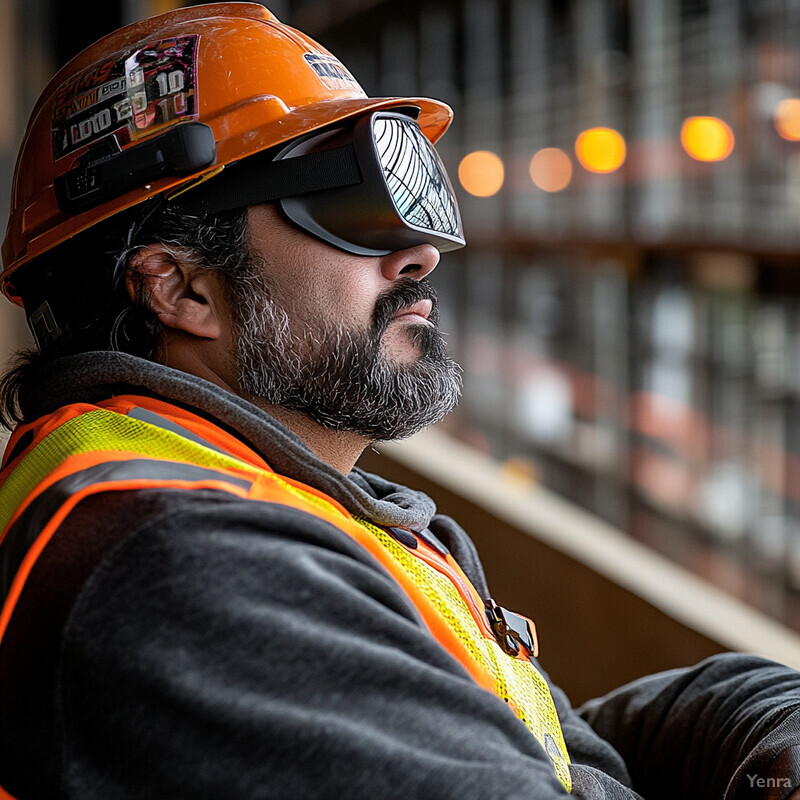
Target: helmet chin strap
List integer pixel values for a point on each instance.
(44, 327)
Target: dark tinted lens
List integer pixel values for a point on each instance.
(415, 176)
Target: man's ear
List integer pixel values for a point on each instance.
(183, 296)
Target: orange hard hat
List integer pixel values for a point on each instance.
(177, 97)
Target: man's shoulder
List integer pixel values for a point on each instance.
(182, 518)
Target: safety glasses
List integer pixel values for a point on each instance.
(370, 188)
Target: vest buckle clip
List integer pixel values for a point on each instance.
(512, 631)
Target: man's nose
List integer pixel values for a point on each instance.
(413, 262)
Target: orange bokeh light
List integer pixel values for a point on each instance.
(551, 169)
(707, 138)
(600, 150)
(787, 119)
(481, 173)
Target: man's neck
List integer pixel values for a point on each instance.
(339, 449)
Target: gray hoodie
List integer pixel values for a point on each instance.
(174, 644)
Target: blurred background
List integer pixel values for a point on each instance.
(627, 309)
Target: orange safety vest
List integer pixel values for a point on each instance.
(132, 442)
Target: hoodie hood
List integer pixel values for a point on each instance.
(90, 377)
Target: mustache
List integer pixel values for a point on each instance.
(402, 295)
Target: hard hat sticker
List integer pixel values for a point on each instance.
(331, 72)
(130, 94)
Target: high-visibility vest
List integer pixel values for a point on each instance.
(130, 442)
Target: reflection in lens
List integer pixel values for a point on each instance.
(415, 176)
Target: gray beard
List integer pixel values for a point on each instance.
(342, 379)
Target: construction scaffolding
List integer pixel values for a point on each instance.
(628, 310)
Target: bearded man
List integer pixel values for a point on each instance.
(223, 246)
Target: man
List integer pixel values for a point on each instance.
(222, 246)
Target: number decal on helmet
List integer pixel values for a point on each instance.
(131, 94)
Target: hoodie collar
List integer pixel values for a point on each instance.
(90, 377)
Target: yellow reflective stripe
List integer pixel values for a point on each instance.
(518, 682)
(104, 431)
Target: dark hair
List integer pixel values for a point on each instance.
(83, 282)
